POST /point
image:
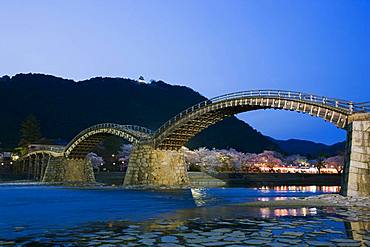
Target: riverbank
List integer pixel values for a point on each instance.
(239, 179)
(276, 179)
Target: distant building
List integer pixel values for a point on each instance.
(141, 80)
(5, 158)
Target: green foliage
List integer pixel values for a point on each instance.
(21, 151)
(30, 131)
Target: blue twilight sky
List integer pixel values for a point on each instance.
(214, 47)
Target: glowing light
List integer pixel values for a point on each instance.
(198, 196)
(265, 212)
(15, 157)
(313, 188)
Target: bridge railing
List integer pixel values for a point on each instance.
(364, 106)
(129, 128)
(347, 106)
(57, 149)
(139, 129)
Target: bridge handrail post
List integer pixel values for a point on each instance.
(351, 107)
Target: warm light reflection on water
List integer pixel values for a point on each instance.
(312, 188)
(204, 197)
(198, 196)
(273, 212)
(266, 199)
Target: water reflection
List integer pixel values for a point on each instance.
(312, 188)
(27, 210)
(198, 196)
(216, 196)
(266, 199)
(122, 217)
(197, 231)
(278, 212)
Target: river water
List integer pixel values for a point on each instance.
(41, 215)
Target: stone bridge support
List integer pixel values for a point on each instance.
(61, 169)
(356, 174)
(155, 167)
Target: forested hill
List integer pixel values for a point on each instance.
(65, 107)
(309, 148)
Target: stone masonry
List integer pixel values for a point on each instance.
(356, 176)
(155, 167)
(61, 169)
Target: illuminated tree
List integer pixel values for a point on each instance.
(336, 162)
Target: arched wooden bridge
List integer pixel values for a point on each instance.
(87, 139)
(177, 131)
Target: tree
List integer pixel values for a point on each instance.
(320, 164)
(30, 131)
(95, 160)
(336, 162)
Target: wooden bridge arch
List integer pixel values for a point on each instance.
(87, 139)
(176, 132)
(151, 162)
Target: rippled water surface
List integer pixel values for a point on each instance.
(35, 212)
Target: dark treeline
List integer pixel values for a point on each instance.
(65, 107)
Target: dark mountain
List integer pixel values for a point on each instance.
(309, 148)
(65, 107)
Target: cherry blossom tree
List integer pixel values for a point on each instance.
(336, 162)
(95, 160)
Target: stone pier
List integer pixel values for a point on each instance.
(356, 175)
(155, 167)
(61, 169)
